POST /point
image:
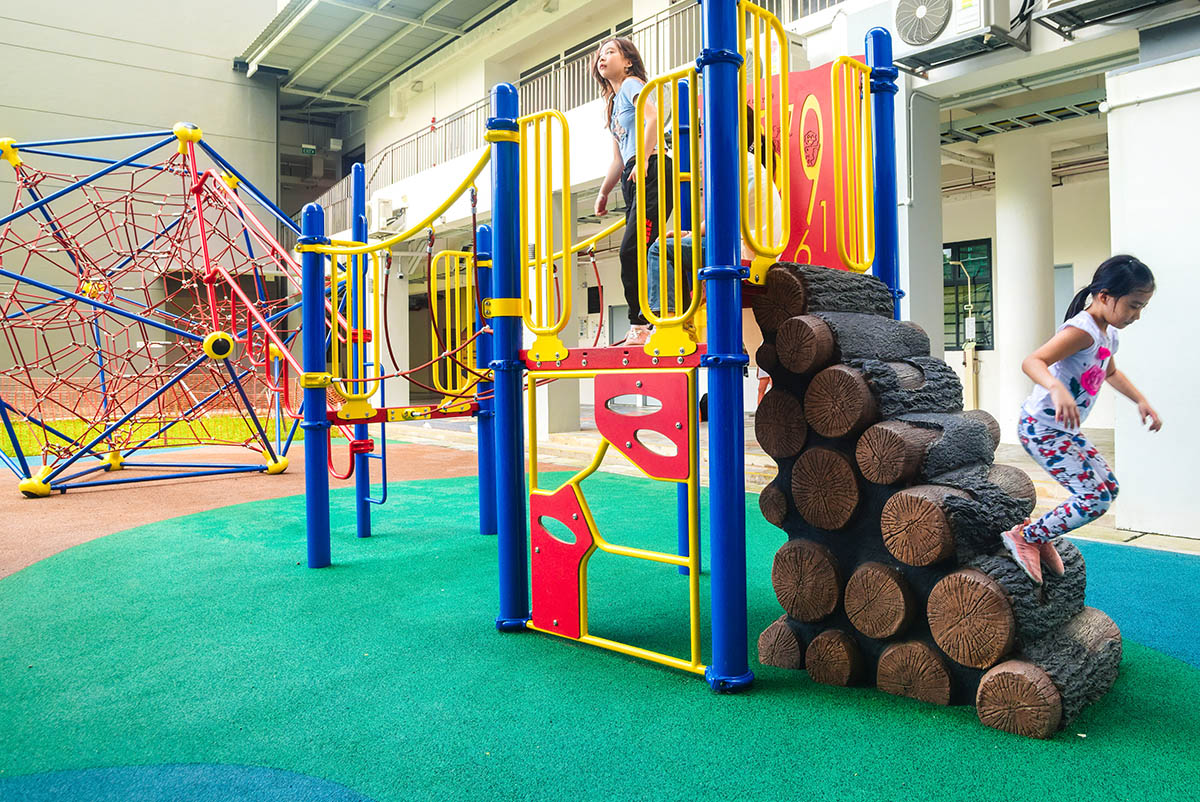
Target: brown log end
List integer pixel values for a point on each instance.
(1018, 697)
(839, 403)
(825, 488)
(833, 658)
(879, 601)
(987, 419)
(1013, 481)
(773, 503)
(916, 670)
(892, 451)
(778, 646)
(914, 524)
(806, 579)
(766, 357)
(805, 344)
(971, 618)
(779, 424)
(783, 296)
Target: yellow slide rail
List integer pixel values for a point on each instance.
(853, 175)
(764, 76)
(545, 288)
(669, 337)
(352, 348)
(452, 308)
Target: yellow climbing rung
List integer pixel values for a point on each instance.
(853, 171)
(452, 303)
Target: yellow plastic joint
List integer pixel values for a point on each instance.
(230, 180)
(218, 345)
(670, 340)
(315, 381)
(356, 409)
(275, 466)
(501, 136)
(8, 152)
(114, 461)
(185, 133)
(483, 263)
(548, 348)
(759, 266)
(275, 352)
(36, 486)
(502, 307)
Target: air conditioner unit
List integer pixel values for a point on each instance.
(382, 218)
(1065, 16)
(932, 33)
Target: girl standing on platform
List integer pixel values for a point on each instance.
(619, 71)
(1069, 371)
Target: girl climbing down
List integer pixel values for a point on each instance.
(1068, 372)
(619, 71)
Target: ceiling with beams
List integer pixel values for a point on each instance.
(331, 55)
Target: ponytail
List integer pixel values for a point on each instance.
(1118, 276)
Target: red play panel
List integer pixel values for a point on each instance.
(555, 572)
(671, 421)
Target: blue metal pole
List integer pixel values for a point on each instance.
(719, 60)
(507, 367)
(12, 435)
(189, 475)
(485, 420)
(110, 138)
(82, 158)
(887, 224)
(683, 158)
(362, 466)
(81, 182)
(316, 449)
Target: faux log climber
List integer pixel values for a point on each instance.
(893, 573)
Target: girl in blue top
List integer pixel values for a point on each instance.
(1069, 371)
(619, 71)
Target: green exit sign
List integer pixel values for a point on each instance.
(308, 150)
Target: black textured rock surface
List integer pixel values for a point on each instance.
(964, 441)
(941, 390)
(1039, 611)
(860, 336)
(841, 290)
(1081, 657)
(978, 521)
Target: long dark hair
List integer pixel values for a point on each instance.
(1118, 276)
(636, 68)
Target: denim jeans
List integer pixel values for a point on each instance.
(652, 279)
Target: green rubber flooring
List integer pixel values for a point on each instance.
(183, 649)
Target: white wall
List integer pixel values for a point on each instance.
(1081, 238)
(79, 68)
(1155, 110)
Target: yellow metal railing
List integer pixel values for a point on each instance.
(853, 175)
(355, 346)
(545, 290)
(764, 76)
(452, 307)
(693, 663)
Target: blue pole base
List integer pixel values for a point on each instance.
(511, 624)
(727, 684)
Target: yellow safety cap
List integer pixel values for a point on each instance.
(275, 466)
(185, 133)
(8, 151)
(218, 345)
(36, 486)
(315, 381)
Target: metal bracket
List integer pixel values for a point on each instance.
(315, 381)
(502, 307)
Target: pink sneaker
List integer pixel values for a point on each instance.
(1024, 553)
(1051, 558)
(638, 335)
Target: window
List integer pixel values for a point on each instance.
(971, 258)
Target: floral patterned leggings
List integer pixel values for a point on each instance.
(1076, 465)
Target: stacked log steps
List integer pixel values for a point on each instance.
(893, 573)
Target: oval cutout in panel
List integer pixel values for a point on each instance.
(656, 442)
(633, 405)
(557, 529)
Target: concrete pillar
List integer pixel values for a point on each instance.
(1023, 265)
(919, 195)
(395, 327)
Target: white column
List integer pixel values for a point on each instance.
(395, 329)
(1152, 194)
(1023, 266)
(919, 194)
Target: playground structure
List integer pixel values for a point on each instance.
(543, 578)
(149, 309)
